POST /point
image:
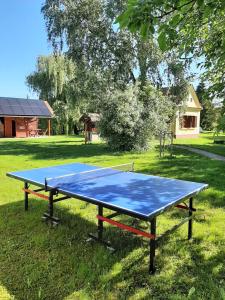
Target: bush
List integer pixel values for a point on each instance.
(130, 118)
(220, 125)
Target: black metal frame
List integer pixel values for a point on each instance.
(26, 186)
(152, 245)
(154, 240)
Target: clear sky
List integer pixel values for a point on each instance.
(22, 38)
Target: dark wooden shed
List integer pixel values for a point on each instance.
(90, 121)
(19, 117)
(92, 118)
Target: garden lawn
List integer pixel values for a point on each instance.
(204, 142)
(40, 262)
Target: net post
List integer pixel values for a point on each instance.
(132, 166)
(46, 186)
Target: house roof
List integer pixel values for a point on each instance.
(195, 97)
(94, 117)
(193, 105)
(19, 107)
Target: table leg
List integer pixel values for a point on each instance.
(49, 215)
(100, 222)
(26, 196)
(152, 246)
(50, 204)
(190, 221)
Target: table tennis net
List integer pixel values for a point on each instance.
(73, 178)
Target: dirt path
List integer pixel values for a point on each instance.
(201, 152)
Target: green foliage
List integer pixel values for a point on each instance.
(54, 81)
(53, 75)
(220, 125)
(131, 117)
(188, 26)
(121, 124)
(114, 57)
(208, 113)
(86, 27)
(111, 61)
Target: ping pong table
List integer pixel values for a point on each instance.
(117, 188)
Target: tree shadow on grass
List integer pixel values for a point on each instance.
(52, 150)
(181, 266)
(191, 167)
(40, 262)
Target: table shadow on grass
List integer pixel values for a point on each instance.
(39, 262)
(51, 263)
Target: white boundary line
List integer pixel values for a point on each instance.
(92, 171)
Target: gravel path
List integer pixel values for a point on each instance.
(201, 152)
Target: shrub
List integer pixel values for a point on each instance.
(130, 118)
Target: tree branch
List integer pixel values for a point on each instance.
(132, 77)
(175, 9)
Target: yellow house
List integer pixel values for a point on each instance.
(187, 123)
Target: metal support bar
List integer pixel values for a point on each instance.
(26, 195)
(99, 237)
(49, 216)
(126, 227)
(113, 215)
(28, 191)
(171, 230)
(185, 207)
(100, 222)
(190, 221)
(152, 246)
(50, 204)
(61, 198)
(105, 243)
(38, 190)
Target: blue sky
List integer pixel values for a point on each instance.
(22, 38)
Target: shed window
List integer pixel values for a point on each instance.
(188, 122)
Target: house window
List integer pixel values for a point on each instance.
(188, 122)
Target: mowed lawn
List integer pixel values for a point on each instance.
(204, 142)
(40, 262)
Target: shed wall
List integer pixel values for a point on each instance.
(188, 132)
(23, 126)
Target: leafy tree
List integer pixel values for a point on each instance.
(54, 80)
(191, 26)
(222, 110)
(93, 43)
(131, 117)
(208, 113)
(110, 60)
(112, 56)
(220, 125)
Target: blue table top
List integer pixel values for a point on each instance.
(139, 194)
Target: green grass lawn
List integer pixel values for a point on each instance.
(40, 262)
(204, 142)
